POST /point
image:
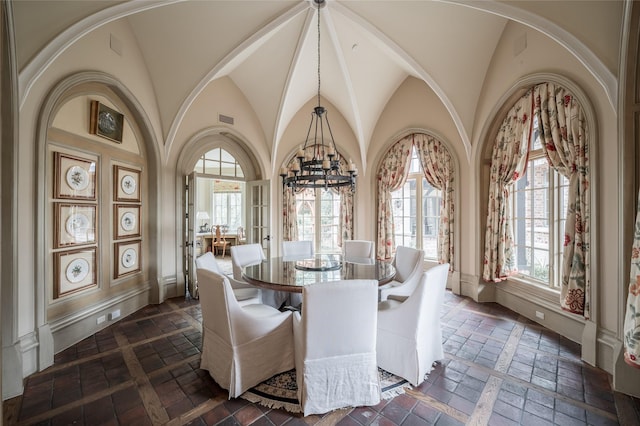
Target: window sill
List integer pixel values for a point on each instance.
(536, 294)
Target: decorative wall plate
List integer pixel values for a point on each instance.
(128, 184)
(77, 270)
(128, 221)
(76, 225)
(77, 178)
(129, 258)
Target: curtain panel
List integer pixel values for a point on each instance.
(392, 175)
(508, 164)
(632, 315)
(562, 127)
(289, 215)
(439, 172)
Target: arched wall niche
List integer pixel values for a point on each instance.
(68, 318)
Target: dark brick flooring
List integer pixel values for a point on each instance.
(500, 369)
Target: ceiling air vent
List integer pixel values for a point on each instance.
(225, 119)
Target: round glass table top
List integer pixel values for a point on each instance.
(292, 274)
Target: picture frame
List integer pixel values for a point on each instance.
(126, 221)
(74, 271)
(106, 122)
(126, 184)
(127, 258)
(74, 224)
(74, 177)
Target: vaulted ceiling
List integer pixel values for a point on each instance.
(269, 49)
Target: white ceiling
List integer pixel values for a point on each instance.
(269, 49)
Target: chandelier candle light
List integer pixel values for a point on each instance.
(319, 168)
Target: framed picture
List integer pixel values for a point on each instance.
(127, 258)
(74, 271)
(106, 122)
(75, 224)
(75, 177)
(126, 221)
(126, 184)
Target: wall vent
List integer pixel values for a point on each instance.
(225, 119)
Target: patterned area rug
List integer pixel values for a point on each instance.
(280, 390)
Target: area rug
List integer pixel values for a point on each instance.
(280, 390)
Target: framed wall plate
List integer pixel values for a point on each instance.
(126, 184)
(75, 177)
(75, 224)
(126, 221)
(127, 258)
(106, 122)
(74, 271)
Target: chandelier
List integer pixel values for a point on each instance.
(318, 164)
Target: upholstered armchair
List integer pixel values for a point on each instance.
(292, 250)
(335, 346)
(410, 331)
(241, 345)
(358, 251)
(408, 263)
(244, 293)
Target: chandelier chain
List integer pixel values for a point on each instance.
(318, 54)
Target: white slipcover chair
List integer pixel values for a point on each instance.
(335, 346)
(241, 345)
(292, 250)
(358, 251)
(245, 293)
(410, 332)
(408, 263)
(252, 254)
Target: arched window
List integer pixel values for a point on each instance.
(416, 211)
(538, 220)
(220, 191)
(416, 208)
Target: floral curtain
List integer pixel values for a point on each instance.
(289, 215)
(439, 172)
(632, 317)
(346, 215)
(508, 164)
(392, 175)
(562, 127)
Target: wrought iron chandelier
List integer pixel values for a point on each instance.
(317, 164)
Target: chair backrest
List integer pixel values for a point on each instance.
(240, 237)
(245, 255)
(219, 234)
(339, 318)
(358, 249)
(217, 303)
(297, 249)
(408, 261)
(208, 261)
(430, 296)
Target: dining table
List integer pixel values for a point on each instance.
(291, 274)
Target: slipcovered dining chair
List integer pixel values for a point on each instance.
(335, 346)
(244, 293)
(410, 331)
(241, 345)
(252, 254)
(297, 250)
(358, 251)
(408, 263)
